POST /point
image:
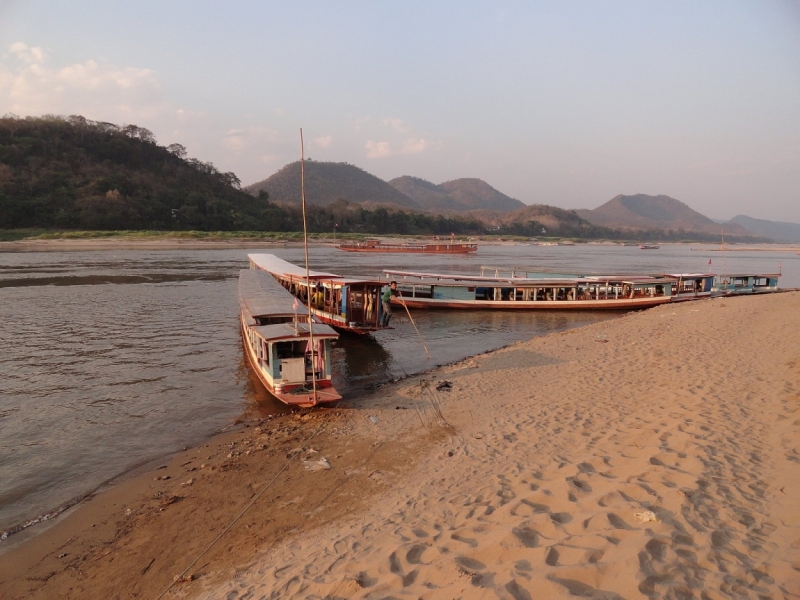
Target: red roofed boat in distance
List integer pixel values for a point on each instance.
(372, 245)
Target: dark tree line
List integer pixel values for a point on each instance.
(583, 230)
(72, 173)
(351, 218)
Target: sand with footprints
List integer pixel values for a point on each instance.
(653, 456)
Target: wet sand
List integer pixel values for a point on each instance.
(656, 455)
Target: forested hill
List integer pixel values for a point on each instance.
(327, 182)
(73, 173)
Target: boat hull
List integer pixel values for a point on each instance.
(341, 325)
(610, 304)
(426, 249)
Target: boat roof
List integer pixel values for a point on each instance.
(749, 275)
(293, 331)
(690, 275)
(280, 267)
(262, 296)
(445, 279)
(273, 264)
(332, 281)
(453, 276)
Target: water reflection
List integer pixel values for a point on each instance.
(259, 403)
(360, 362)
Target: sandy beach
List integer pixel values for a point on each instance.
(656, 455)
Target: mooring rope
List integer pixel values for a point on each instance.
(246, 508)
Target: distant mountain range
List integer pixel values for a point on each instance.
(327, 182)
(641, 211)
(457, 195)
(780, 231)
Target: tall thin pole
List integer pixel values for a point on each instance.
(308, 277)
(724, 263)
(410, 318)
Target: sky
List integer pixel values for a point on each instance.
(562, 103)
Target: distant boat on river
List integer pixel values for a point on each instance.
(372, 245)
(648, 247)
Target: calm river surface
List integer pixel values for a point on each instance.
(114, 358)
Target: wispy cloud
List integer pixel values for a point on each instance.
(324, 141)
(30, 85)
(396, 137)
(397, 124)
(378, 149)
(412, 146)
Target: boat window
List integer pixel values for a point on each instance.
(274, 320)
(291, 349)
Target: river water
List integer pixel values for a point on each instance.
(114, 358)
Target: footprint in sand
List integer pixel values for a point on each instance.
(528, 537)
(617, 522)
(469, 565)
(414, 555)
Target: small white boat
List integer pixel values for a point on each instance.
(278, 342)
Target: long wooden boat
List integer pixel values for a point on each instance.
(431, 290)
(277, 342)
(747, 283)
(685, 286)
(648, 247)
(346, 303)
(435, 248)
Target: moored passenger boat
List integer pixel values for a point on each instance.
(435, 248)
(734, 285)
(278, 342)
(691, 286)
(430, 290)
(346, 303)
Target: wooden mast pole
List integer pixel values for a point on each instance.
(308, 277)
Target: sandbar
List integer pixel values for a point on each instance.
(655, 455)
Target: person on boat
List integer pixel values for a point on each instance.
(318, 299)
(386, 300)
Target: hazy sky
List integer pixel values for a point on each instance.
(563, 103)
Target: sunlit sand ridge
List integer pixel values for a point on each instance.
(543, 454)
